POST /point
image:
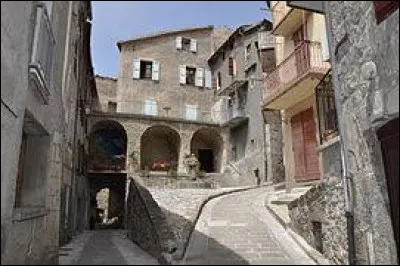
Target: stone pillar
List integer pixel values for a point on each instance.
(288, 160)
(184, 150)
(274, 146)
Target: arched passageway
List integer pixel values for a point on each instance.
(159, 149)
(107, 146)
(107, 200)
(206, 145)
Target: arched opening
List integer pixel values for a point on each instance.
(107, 147)
(107, 200)
(159, 149)
(206, 145)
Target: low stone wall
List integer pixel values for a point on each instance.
(319, 213)
(146, 223)
(168, 182)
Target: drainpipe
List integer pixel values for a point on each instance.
(346, 176)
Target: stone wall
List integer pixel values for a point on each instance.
(365, 63)
(147, 224)
(107, 91)
(324, 203)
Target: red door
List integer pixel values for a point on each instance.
(305, 146)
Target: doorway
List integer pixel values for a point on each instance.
(389, 137)
(206, 159)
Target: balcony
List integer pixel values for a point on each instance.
(41, 62)
(234, 116)
(286, 19)
(296, 77)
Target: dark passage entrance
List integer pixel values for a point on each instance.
(206, 159)
(389, 138)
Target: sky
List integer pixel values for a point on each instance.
(122, 20)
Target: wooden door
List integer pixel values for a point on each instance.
(305, 146)
(389, 138)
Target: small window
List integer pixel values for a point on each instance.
(150, 107)
(146, 68)
(247, 52)
(223, 55)
(327, 116)
(231, 67)
(383, 9)
(186, 44)
(234, 154)
(219, 82)
(112, 107)
(190, 75)
(191, 112)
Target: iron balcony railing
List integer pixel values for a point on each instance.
(306, 58)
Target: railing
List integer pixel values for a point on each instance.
(306, 57)
(161, 110)
(40, 66)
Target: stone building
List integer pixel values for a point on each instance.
(37, 116)
(237, 67)
(358, 196)
(299, 93)
(364, 43)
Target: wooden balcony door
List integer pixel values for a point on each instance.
(302, 52)
(305, 146)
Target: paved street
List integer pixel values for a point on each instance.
(104, 247)
(237, 229)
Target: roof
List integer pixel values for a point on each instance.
(161, 33)
(244, 29)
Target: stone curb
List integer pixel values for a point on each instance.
(180, 257)
(307, 248)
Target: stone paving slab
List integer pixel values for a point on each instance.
(216, 241)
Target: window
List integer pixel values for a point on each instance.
(223, 55)
(327, 117)
(231, 66)
(191, 112)
(186, 44)
(247, 52)
(32, 164)
(219, 82)
(112, 107)
(145, 69)
(150, 107)
(190, 75)
(383, 9)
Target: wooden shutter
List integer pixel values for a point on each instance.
(199, 77)
(193, 45)
(136, 68)
(178, 42)
(383, 9)
(208, 79)
(155, 75)
(182, 74)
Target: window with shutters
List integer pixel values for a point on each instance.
(186, 44)
(190, 75)
(383, 9)
(146, 69)
(191, 112)
(150, 107)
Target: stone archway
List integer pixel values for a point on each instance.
(159, 148)
(207, 146)
(107, 146)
